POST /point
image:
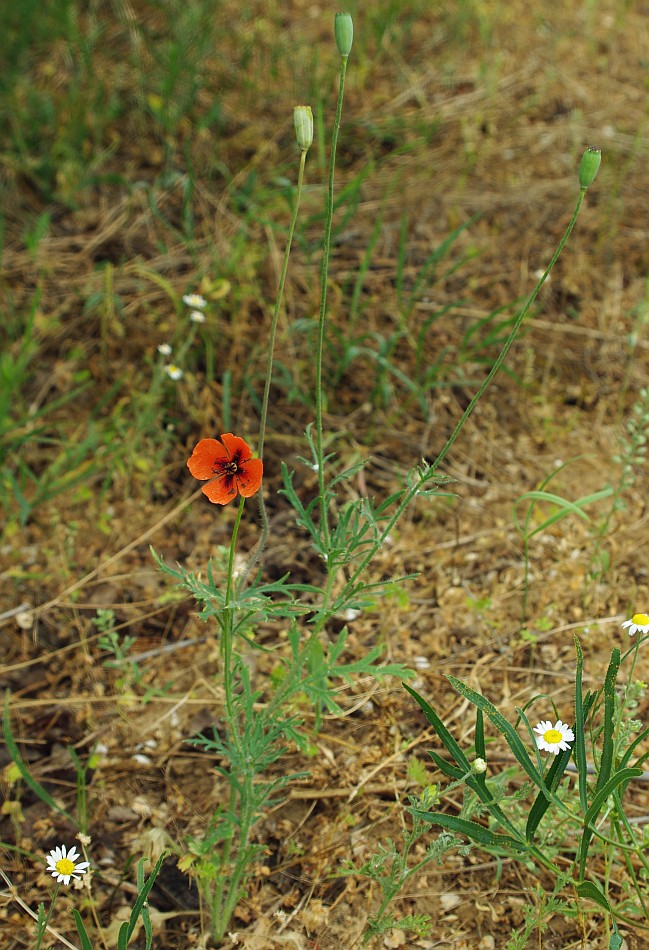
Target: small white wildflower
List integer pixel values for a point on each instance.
(555, 738)
(197, 316)
(174, 372)
(479, 766)
(639, 623)
(195, 301)
(64, 864)
(164, 349)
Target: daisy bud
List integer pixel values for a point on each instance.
(344, 33)
(479, 766)
(303, 120)
(590, 162)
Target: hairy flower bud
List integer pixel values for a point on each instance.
(590, 162)
(344, 32)
(303, 120)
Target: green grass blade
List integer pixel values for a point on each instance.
(21, 765)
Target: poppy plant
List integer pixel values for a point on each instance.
(230, 466)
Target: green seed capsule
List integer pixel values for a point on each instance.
(590, 162)
(303, 120)
(344, 32)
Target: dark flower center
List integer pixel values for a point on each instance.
(227, 467)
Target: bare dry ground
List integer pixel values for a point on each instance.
(475, 111)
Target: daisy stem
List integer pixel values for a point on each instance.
(430, 471)
(42, 925)
(326, 251)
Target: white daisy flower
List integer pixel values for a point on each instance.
(555, 738)
(64, 864)
(174, 372)
(195, 301)
(164, 349)
(639, 623)
(197, 316)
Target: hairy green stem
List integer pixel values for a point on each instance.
(261, 544)
(326, 251)
(227, 636)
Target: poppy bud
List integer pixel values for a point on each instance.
(303, 120)
(590, 162)
(344, 33)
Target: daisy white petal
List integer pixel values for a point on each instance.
(197, 316)
(174, 372)
(195, 301)
(64, 864)
(639, 623)
(555, 738)
(164, 349)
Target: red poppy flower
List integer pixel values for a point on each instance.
(229, 464)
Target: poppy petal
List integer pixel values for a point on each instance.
(202, 460)
(235, 444)
(249, 477)
(220, 491)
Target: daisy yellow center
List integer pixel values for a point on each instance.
(552, 735)
(65, 866)
(641, 619)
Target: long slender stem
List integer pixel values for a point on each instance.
(223, 882)
(326, 251)
(430, 472)
(228, 631)
(278, 304)
(261, 544)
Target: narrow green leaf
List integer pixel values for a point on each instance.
(445, 768)
(591, 892)
(83, 936)
(624, 775)
(471, 829)
(141, 898)
(580, 729)
(542, 801)
(480, 746)
(606, 763)
(449, 742)
(503, 726)
(20, 764)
